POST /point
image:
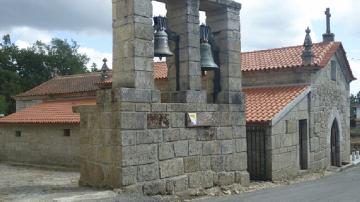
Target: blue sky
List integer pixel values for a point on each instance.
(265, 24)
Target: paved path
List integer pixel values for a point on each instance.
(341, 187)
(22, 183)
(32, 184)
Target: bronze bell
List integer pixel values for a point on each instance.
(207, 60)
(161, 41)
(161, 45)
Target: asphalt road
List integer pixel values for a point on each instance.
(340, 187)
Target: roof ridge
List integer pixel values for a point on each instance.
(277, 86)
(327, 48)
(69, 100)
(88, 73)
(21, 94)
(75, 75)
(284, 47)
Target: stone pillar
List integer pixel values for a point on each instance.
(133, 49)
(225, 23)
(183, 18)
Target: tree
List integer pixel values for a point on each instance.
(94, 67)
(354, 101)
(66, 58)
(9, 79)
(3, 105)
(23, 69)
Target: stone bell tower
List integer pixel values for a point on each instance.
(134, 141)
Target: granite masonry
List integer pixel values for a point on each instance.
(131, 140)
(326, 103)
(40, 144)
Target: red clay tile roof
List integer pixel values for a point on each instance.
(54, 112)
(160, 70)
(287, 57)
(65, 85)
(82, 83)
(262, 104)
(272, 59)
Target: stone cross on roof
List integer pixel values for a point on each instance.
(328, 16)
(328, 36)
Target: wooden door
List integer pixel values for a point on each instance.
(303, 145)
(255, 136)
(335, 145)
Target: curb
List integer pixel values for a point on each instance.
(350, 165)
(97, 196)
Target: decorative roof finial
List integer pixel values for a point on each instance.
(308, 54)
(328, 36)
(104, 70)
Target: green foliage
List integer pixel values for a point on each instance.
(23, 69)
(354, 101)
(94, 68)
(3, 105)
(65, 57)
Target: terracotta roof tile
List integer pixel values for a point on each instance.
(54, 112)
(160, 70)
(286, 57)
(272, 59)
(262, 104)
(65, 85)
(82, 83)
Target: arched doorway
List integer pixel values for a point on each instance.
(335, 144)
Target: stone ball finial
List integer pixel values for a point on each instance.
(104, 70)
(308, 40)
(104, 67)
(308, 54)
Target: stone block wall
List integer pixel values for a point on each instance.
(285, 142)
(283, 77)
(22, 104)
(40, 144)
(132, 141)
(329, 101)
(148, 148)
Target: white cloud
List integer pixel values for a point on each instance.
(355, 67)
(28, 35)
(78, 15)
(267, 24)
(22, 44)
(96, 57)
(159, 8)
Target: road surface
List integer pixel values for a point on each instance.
(340, 187)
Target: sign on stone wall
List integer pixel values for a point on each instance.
(200, 119)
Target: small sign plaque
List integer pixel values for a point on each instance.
(193, 118)
(199, 119)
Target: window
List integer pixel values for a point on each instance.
(333, 70)
(287, 126)
(67, 132)
(17, 133)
